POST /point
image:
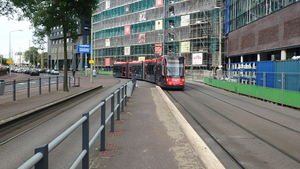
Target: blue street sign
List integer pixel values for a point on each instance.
(83, 48)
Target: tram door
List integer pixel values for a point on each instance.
(145, 71)
(123, 71)
(130, 72)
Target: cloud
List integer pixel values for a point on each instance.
(20, 40)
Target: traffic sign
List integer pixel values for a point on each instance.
(83, 48)
(91, 61)
(9, 61)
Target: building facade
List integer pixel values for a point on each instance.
(56, 47)
(262, 30)
(130, 30)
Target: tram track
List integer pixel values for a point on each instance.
(250, 112)
(237, 163)
(229, 153)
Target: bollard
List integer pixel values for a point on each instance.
(28, 87)
(56, 82)
(40, 85)
(14, 90)
(49, 84)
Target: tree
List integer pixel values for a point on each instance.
(7, 8)
(42, 59)
(48, 14)
(1, 59)
(31, 55)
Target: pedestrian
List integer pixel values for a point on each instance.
(94, 73)
(73, 71)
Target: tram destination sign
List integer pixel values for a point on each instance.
(83, 48)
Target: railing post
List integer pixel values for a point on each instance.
(28, 87)
(123, 97)
(78, 81)
(102, 135)
(112, 108)
(14, 90)
(56, 82)
(85, 141)
(118, 102)
(264, 84)
(40, 85)
(282, 87)
(43, 163)
(126, 94)
(49, 83)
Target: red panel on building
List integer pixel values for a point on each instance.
(142, 38)
(107, 61)
(158, 48)
(159, 2)
(127, 30)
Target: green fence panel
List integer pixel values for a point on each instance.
(243, 89)
(289, 98)
(273, 95)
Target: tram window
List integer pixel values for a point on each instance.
(162, 65)
(150, 69)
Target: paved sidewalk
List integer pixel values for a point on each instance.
(150, 134)
(10, 110)
(147, 136)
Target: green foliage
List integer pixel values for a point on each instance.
(7, 8)
(45, 15)
(48, 14)
(2, 60)
(42, 59)
(31, 55)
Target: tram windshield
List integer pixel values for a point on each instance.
(175, 67)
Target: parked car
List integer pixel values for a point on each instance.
(48, 71)
(42, 70)
(54, 72)
(34, 72)
(26, 71)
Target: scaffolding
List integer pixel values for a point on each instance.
(127, 30)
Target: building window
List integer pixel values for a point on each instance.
(171, 37)
(171, 11)
(171, 23)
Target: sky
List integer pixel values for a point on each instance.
(20, 40)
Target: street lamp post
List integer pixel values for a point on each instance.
(10, 58)
(220, 36)
(91, 33)
(85, 65)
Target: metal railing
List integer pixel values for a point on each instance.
(38, 85)
(40, 159)
(289, 81)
